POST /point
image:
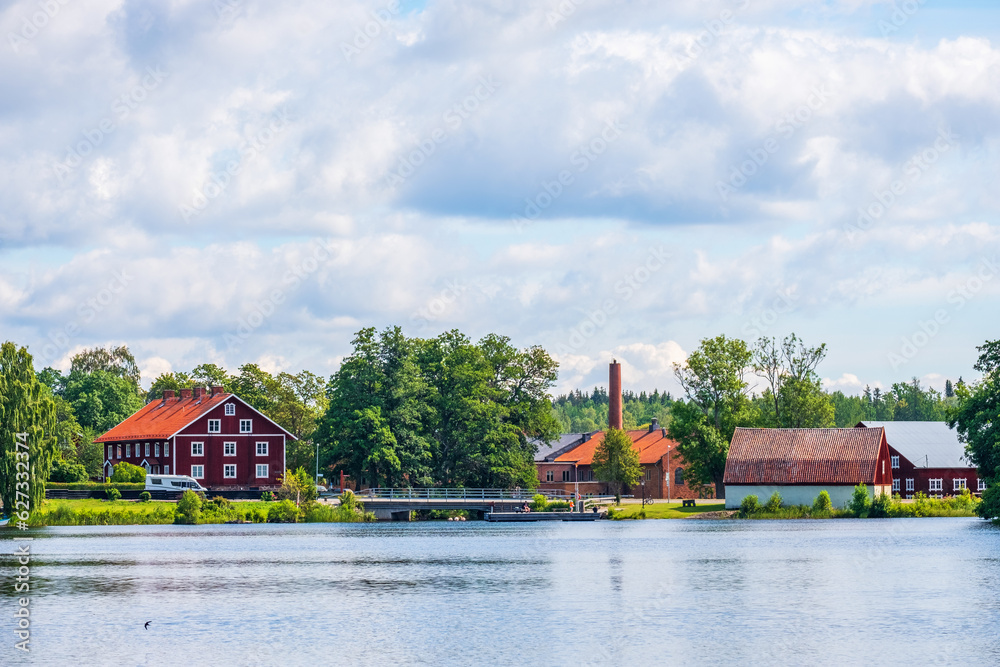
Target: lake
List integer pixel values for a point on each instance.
(833, 592)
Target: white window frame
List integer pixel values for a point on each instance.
(935, 484)
(166, 449)
(895, 462)
(197, 449)
(226, 448)
(895, 486)
(111, 452)
(550, 476)
(249, 426)
(226, 468)
(958, 484)
(147, 449)
(118, 451)
(156, 448)
(166, 470)
(266, 448)
(909, 483)
(199, 469)
(264, 467)
(215, 426)
(981, 484)
(128, 451)
(230, 409)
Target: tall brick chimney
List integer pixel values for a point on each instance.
(185, 393)
(615, 395)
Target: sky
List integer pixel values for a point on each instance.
(245, 181)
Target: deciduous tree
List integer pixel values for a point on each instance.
(616, 461)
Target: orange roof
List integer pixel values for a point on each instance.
(164, 418)
(651, 445)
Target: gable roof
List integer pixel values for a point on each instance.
(651, 445)
(159, 420)
(803, 456)
(924, 444)
(549, 451)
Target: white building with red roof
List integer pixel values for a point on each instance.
(215, 437)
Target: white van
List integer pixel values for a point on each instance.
(172, 483)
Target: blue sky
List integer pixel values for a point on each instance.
(252, 182)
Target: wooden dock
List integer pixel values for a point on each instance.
(542, 516)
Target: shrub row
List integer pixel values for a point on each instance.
(860, 506)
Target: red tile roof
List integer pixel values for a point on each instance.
(804, 456)
(162, 419)
(652, 446)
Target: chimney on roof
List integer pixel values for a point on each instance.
(199, 392)
(653, 425)
(586, 437)
(168, 394)
(216, 389)
(185, 393)
(615, 395)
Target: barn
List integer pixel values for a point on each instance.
(799, 463)
(215, 437)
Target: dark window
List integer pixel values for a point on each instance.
(565, 475)
(679, 477)
(549, 476)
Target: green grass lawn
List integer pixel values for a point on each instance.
(93, 504)
(666, 510)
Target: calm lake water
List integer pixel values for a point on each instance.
(917, 591)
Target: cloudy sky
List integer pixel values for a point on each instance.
(241, 180)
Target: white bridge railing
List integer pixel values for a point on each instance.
(433, 493)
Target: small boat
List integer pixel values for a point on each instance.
(4, 521)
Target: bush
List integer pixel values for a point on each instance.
(860, 501)
(94, 486)
(127, 473)
(989, 508)
(255, 515)
(145, 496)
(267, 497)
(822, 502)
(114, 494)
(67, 472)
(880, 507)
(221, 502)
(283, 511)
(298, 486)
(749, 506)
(773, 503)
(539, 503)
(557, 506)
(188, 508)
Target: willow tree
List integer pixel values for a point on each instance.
(27, 421)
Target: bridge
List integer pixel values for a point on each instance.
(395, 504)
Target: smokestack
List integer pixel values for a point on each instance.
(615, 395)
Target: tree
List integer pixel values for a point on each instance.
(298, 486)
(188, 508)
(67, 472)
(794, 397)
(27, 419)
(102, 399)
(713, 379)
(173, 381)
(127, 473)
(949, 390)
(116, 361)
(616, 461)
(976, 418)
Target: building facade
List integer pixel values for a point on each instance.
(215, 437)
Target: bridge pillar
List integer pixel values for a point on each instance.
(388, 514)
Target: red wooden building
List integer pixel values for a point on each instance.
(215, 437)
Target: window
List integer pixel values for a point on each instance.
(197, 449)
(111, 452)
(262, 450)
(895, 461)
(230, 409)
(261, 470)
(909, 496)
(229, 470)
(958, 484)
(166, 470)
(119, 451)
(549, 476)
(198, 472)
(215, 426)
(565, 475)
(679, 477)
(909, 483)
(128, 451)
(229, 449)
(147, 449)
(982, 485)
(157, 449)
(648, 474)
(246, 426)
(166, 449)
(895, 486)
(936, 485)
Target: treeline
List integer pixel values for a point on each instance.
(579, 412)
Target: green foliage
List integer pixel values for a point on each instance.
(27, 421)
(127, 473)
(113, 494)
(189, 508)
(60, 514)
(222, 502)
(283, 511)
(581, 412)
(557, 506)
(94, 486)
(315, 512)
(102, 399)
(750, 506)
(989, 508)
(117, 361)
(880, 507)
(794, 397)
(538, 503)
(145, 496)
(860, 501)
(773, 503)
(298, 487)
(822, 502)
(267, 496)
(922, 506)
(616, 461)
(68, 472)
